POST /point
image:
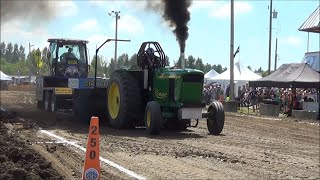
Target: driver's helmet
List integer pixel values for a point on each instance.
(150, 51)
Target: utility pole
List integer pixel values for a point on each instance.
(116, 37)
(231, 52)
(275, 15)
(270, 33)
(30, 45)
(276, 55)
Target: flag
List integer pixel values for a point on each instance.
(39, 59)
(238, 50)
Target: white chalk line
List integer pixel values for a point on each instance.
(120, 168)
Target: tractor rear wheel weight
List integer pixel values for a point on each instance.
(215, 120)
(123, 100)
(152, 118)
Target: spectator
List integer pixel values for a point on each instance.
(239, 96)
(253, 97)
(228, 91)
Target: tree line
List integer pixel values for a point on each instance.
(15, 60)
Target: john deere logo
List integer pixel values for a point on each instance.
(160, 95)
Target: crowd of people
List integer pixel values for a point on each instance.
(287, 98)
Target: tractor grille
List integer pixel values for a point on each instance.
(193, 78)
(172, 84)
(192, 88)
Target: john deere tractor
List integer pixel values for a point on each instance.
(159, 97)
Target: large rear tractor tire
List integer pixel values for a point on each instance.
(215, 120)
(152, 118)
(123, 100)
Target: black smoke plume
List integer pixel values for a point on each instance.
(177, 14)
(34, 11)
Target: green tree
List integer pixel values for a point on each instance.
(133, 60)
(101, 67)
(15, 53)
(12, 69)
(167, 61)
(8, 53)
(45, 69)
(207, 67)
(2, 50)
(177, 63)
(218, 69)
(111, 67)
(123, 61)
(22, 54)
(249, 67)
(199, 65)
(32, 61)
(190, 62)
(224, 69)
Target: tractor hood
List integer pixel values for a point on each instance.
(171, 73)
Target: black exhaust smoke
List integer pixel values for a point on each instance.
(177, 14)
(31, 11)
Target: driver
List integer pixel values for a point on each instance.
(67, 55)
(152, 58)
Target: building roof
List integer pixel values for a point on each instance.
(312, 24)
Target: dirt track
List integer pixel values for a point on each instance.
(250, 148)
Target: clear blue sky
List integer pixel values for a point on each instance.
(209, 29)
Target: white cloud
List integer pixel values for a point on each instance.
(97, 3)
(65, 8)
(97, 39)
(89, 24)
(291, 40)
(128, 24)
(14, 32)
(223, 10)
(200, 4)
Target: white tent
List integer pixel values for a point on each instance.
(241, 76)
(4, 77)
(211, 74)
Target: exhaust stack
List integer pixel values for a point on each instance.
(183, 61)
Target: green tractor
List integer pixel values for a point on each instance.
(159, 97)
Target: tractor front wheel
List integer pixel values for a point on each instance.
(152, 118)
(215, 121)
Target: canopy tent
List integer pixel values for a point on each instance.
(312, 24)
(241, 76)
(241, 73)
(4, 77)
(294, 75)
(212, 73)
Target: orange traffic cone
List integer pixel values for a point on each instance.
(91, 170)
